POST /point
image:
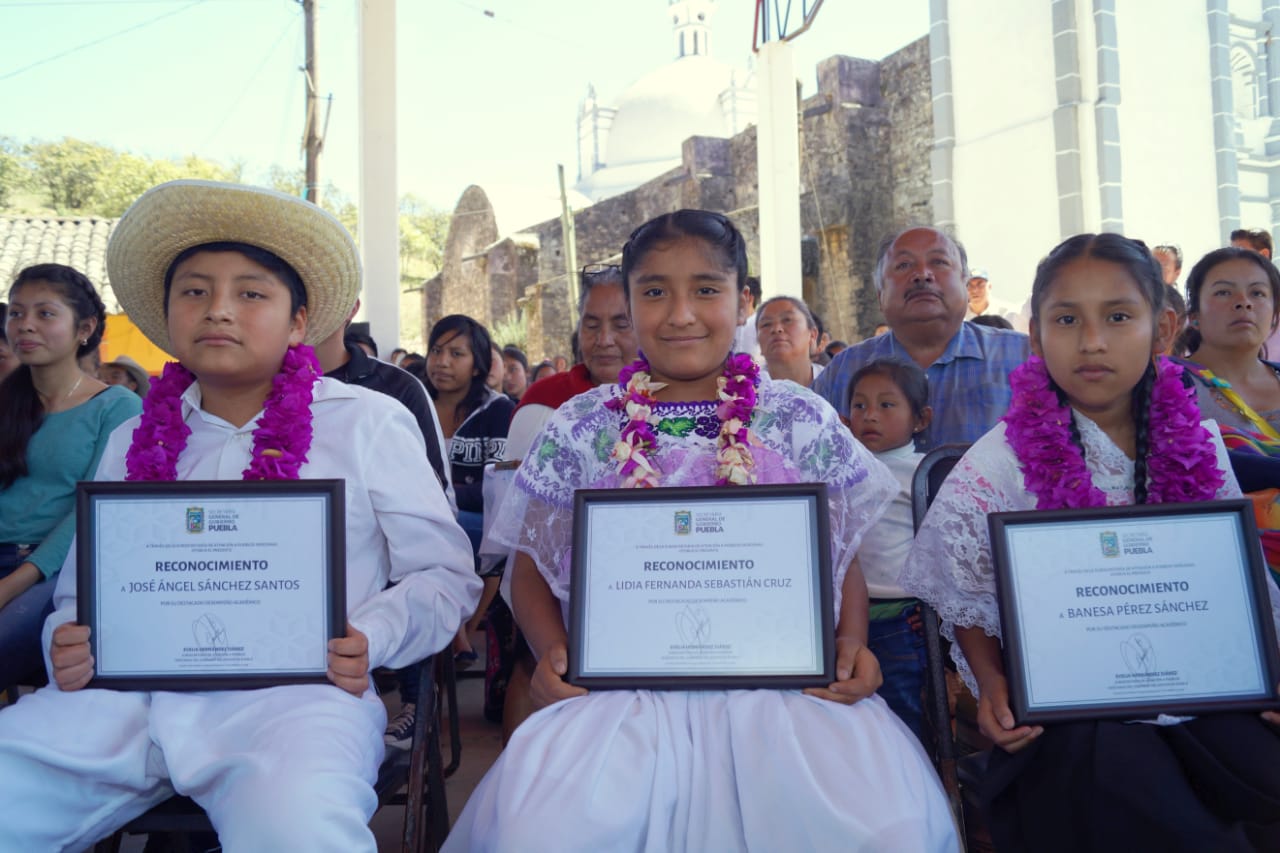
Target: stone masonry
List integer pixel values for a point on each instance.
(864, 172)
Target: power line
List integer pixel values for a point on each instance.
(97, 41)
(19, 4)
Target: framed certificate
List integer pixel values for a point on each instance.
(1134, 611)
(688, 588)
(210, 585)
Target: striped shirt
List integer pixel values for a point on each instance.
(968, 384)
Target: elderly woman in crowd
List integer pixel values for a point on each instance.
(788, 335)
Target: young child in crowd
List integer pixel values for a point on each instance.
(233, 281)
(54, 424)
(824, 769)
(1093, 413)
(888, 406)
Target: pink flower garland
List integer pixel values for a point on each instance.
(736, 392)
(1181, 463)
(280, 440)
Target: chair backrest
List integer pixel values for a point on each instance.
(933, 469)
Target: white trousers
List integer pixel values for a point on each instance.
(276, 769)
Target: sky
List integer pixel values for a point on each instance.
(487, 91)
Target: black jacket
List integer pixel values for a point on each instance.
(388, 379)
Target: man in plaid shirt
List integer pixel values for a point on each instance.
(920, 277)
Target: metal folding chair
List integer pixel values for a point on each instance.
(933, 469)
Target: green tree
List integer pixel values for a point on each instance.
(129, 176)
(423, 230)
(87, 178)
(68, 171)
(13, 175)
(332, 199)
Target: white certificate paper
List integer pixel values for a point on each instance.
(214, 585)
(706, 587)
(1153, 610)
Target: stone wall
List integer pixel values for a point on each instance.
(865, 136)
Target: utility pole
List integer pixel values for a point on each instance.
(311, 140)
(570, 233)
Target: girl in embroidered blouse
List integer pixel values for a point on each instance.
(1234, 297)
(1092, 415)
(827, 768)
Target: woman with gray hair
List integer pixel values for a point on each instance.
(788, 334)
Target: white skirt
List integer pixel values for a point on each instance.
(760, 770)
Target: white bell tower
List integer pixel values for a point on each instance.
(691, 25)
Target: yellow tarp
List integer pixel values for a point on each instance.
(124, 338)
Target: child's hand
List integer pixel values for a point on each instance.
(857, 674)
(995, 720)
(548, 685)
(349, 662)
(71, 656)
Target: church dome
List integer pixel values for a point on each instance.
(662, 109)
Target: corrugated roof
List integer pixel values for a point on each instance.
(79, 243)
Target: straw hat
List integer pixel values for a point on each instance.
(171, 218)
(136, 371)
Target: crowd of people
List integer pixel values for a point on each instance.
(682, 375)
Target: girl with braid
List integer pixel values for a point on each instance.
(1096, 419)
(54, 423)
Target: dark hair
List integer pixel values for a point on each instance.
(542, 365)
(713, 228)
(273, 263)
(414, 363)
(835, 347)
(358, 338)
(1142, 266)
(1200, 272)
(477, 337)
(4, 321)
(993, 321)
(886, 246)
(753, 287)
(21, 411)
(910, 379)
(1258, 238)
(513, 351)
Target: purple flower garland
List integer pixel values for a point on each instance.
(736, 393)
(1181, 462)
(280, 440)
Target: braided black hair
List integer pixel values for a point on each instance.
(1142, 431)
(21, 411)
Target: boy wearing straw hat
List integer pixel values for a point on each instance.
(233, 281)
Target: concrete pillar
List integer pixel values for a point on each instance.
(778, 166)
(1224, 143)
(379, 197)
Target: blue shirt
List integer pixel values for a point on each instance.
(968, 384)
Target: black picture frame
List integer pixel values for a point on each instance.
(1256, 627)
(90, 495)
(820, 603)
